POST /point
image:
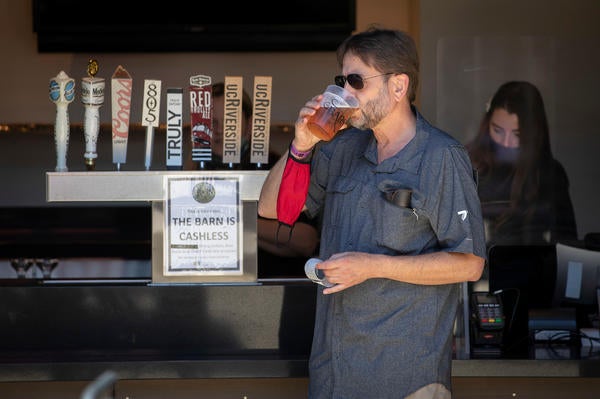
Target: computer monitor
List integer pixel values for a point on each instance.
(523, 276)
(526, 270)
(577, 277)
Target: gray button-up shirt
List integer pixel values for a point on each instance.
(384, 338)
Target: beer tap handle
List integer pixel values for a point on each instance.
(62, 93)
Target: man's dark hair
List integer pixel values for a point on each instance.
(387, 51)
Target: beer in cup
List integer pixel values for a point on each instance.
(336, 107)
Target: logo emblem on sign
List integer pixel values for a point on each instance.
(200, 80)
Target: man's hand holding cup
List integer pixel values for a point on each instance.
(323, 116)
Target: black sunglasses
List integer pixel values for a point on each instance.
(356, 81)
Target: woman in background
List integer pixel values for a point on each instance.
(524, 190)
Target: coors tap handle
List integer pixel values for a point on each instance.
(62, 92)
(92, 97)
(121, 86)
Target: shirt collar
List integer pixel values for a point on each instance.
(409, 158)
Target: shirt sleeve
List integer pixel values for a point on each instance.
(318, 180)
(454, 206)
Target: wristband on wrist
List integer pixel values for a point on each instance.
(300, 155)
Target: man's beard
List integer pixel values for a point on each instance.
(372, 112)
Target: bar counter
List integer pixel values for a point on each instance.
(71, 332)
(256, 367)
(74, 331)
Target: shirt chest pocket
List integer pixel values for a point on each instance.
(342, 197)
(402, 227)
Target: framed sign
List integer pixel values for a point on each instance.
(203, 229)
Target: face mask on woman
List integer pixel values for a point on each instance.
(505, 154)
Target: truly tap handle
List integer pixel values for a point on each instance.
(62, 92)
(92, 97)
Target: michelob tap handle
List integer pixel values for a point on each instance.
(92, 97)
(91, 128)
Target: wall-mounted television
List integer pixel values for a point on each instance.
(191, 26)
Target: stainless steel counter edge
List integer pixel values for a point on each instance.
(525, 368)
(274, 368)
(149, 369)
(137, 185)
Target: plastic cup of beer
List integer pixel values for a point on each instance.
(337, 105)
